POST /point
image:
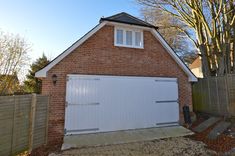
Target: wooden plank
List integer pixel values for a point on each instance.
(22, 141)
(5, 149)
(40, 124)
(204, 125)
(6, 107)
(7, 98)
(40, 138)
(13, 125)
(205, 93)
(47, 120)
(218, 129)
(38, 143)
(5, 132)
(32, 121)
(41, 121)
(199, 96)
(195, 90)
(41, 118)
(40, 130)
(20, 134)
(213, 108)
(6, 137)
(231, 89)
(222, 92)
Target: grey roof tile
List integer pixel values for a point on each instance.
(127, 19)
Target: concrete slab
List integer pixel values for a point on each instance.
(218, 129)
(117, 137)
(204, 125)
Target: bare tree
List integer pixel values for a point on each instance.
(13, 58)
(213, 24)
(169, 26)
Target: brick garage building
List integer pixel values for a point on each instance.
(120, 45)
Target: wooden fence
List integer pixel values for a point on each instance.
(23, 123)
(215, 95)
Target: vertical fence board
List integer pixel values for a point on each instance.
(223, 93)
(32, 121)
(212, 94)
(231, 88)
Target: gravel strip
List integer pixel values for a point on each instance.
(166, 147)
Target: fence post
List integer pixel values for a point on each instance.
(32, 121)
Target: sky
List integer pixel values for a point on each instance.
(51, 26)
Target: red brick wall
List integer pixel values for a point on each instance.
(98, 55)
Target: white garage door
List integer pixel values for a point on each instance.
(109, 103)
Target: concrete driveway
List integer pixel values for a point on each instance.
(127, 136)
(178, 146)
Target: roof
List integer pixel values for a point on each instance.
(196, 63)
(127, 19)
(104, 21)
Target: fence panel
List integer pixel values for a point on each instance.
(6, 124)
(213, 101)
(16, 123)
(41, 115)
(20, 135)
(223, 95)
(215, 95)
(231, 88)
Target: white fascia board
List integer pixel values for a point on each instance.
(43, 72)
(191, 76)
(128, 26)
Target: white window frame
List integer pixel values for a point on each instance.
(124, 37)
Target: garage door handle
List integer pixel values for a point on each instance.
(94, 103)
(85, 104)
(167, 101)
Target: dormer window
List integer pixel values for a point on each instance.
(126, 37)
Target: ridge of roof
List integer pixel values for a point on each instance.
(126, 18)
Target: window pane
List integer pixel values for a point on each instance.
(138, 39)
(128, 37)
(119, 36)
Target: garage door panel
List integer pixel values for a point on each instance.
(109, 103)
(82, 91)
(167, 111)
(88, 122)
(167, 91)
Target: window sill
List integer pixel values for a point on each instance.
(127, 46)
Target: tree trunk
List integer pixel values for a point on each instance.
(221, 66)
(233, 53)
(213, 60)
(205, 64)
(227, 59)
